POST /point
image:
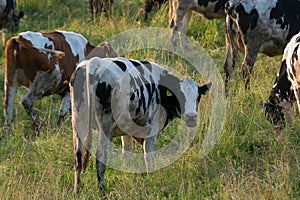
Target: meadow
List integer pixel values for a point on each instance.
(250, 160)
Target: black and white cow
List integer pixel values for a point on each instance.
(286, 88)
(256, 26)
(8, 18)
(180, 12)
(128, 98)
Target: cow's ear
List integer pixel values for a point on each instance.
(204, 88)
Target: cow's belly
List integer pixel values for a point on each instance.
(272, 47)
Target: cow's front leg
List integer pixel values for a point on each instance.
(101, 158)
(64, 108)
(28, 101)
(149, 147)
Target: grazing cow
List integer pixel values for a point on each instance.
(8, 18)
(180, 12)
(121, 97)
(100, 6)
(286, 88)
(256, 26)
(44, 62)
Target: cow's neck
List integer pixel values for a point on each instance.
(171, 104)
(281, 90)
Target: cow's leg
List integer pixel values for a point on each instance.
(78, 160)
(10, 82)
(231, 53)
(184, 26)
(127, 147)
(10, 88)
(248, 63)
(149, 147)
(179, 11)
(64, 108)
(42, 83)
(101, 158)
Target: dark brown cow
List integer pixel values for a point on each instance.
(43, 63)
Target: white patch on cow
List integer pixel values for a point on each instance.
(76, 42)
(190, 90)
(38, 40)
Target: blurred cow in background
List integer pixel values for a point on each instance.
(148, 4)
(104, 6)
(100, 6)
(8, 18)
(9, 21)
(180, 12)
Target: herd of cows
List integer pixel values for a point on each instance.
(119, 96)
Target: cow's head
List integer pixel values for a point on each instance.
(273, 111)
(189, 95)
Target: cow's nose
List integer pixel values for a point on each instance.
(190, 119)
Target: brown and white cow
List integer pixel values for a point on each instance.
(43, 63)
(180, 12)
(128, 98)
(256, 26)
(286, 89)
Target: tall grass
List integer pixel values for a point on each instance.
(250, 161)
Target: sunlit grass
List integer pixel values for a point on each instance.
(250, 161)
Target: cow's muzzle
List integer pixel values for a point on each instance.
(190, 119)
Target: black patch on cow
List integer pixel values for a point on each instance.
(295, 57)
(132, 97)
(137, 66)
(283, 85)
(147, 65)
(246, 20)
(121, 65)
(287, 15)
(205, 2)
(103, 92)
(220, 5)
(298, 39)
(170, 103)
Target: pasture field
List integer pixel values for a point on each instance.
(250, 161)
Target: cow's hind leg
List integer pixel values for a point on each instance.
(78, 161)
(101, 158)
(10, 82)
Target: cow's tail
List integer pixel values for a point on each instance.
(90, 71)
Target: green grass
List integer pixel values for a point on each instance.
(250, 160)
